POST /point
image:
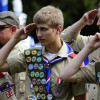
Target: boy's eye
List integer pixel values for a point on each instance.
(43, 29)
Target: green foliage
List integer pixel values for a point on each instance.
(72, 9)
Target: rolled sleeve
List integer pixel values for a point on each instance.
(86, 74)
(67, 36)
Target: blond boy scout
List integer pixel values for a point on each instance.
(9, 23)
(72, 36)
(43, 65)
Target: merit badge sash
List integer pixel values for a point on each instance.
(36, 72)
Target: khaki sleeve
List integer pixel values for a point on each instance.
(16, 63)
(78, 89)
(75, 40)
(86, 74)
(67, 36)
(80, 42)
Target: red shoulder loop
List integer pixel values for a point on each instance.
(1, 75)
(73, 55)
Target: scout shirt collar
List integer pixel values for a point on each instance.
(61, 53)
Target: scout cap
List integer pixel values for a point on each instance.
(9, 18)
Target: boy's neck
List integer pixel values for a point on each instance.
(54, 48)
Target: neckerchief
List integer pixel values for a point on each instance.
(48, 65)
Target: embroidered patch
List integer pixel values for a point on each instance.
(28, 59)
(27, 52)
(39, 59)
(94, 59)
(41, 74)
(5, 86)
(35, 66)
(31, 86)
(36, 88)
(32, 74)
(98, 74)
(49, 96)
(38, 96)
(58, 90)
(34, 52)
(43, 96)
(33, 59)
(9, 93)
(37, 74)
(40, 66)
(30, 66)
(40, 88)
(34, 81)
(43, 81)
(30, 97)
(38, 81)
(39, 53)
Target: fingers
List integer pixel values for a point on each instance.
(98, 35)
(90, 16)
(24, 29)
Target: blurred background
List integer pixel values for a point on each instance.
(72, 11)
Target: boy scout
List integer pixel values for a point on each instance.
(9, 23)
(91, 73)
(42, 65)
(72, 36)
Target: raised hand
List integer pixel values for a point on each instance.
(22, 33)
(90, 16)
(95, 42)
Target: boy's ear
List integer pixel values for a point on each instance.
(59, 29)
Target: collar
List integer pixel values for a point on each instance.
(61, 53)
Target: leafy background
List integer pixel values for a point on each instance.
(72, 11)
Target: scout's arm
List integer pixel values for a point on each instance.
(5, 50)
(69, 72)
(73, 30)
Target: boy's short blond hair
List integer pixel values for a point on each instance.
(49, 15)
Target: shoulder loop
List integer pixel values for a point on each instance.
(1, 75)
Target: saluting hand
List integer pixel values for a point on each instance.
(90, 16)
(23, 33)
(95, 42)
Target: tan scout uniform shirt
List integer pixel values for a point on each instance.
(18, 63)
(6, 93)
(18, 80)
(88, 74)
(77, 43)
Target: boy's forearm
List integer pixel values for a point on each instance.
(76, 27)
